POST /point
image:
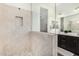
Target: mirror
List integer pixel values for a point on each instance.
(67, 14)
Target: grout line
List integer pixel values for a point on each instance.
(31, 16)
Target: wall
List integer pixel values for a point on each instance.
(36, 15)
(43, 44)
(13, 38)
(16, 40)
(25, 6)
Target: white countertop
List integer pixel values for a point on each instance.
(69, 34)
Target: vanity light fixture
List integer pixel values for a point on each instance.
(77, 22)
(76, 9)
(62, 15)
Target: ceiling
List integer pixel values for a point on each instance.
(61, 8)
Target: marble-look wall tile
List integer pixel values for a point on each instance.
(43, 44)
(13, 39)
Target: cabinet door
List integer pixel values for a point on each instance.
(67, 42)
(77, 46)
(62, 41)
(70, 43)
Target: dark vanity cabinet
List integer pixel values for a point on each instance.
(70, 43)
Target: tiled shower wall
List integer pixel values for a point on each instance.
(13, 36)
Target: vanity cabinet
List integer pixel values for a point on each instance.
(70, 43)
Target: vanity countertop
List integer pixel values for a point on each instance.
(69, 34)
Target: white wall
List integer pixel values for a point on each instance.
(36, 15)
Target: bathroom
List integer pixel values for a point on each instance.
(39, 29)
